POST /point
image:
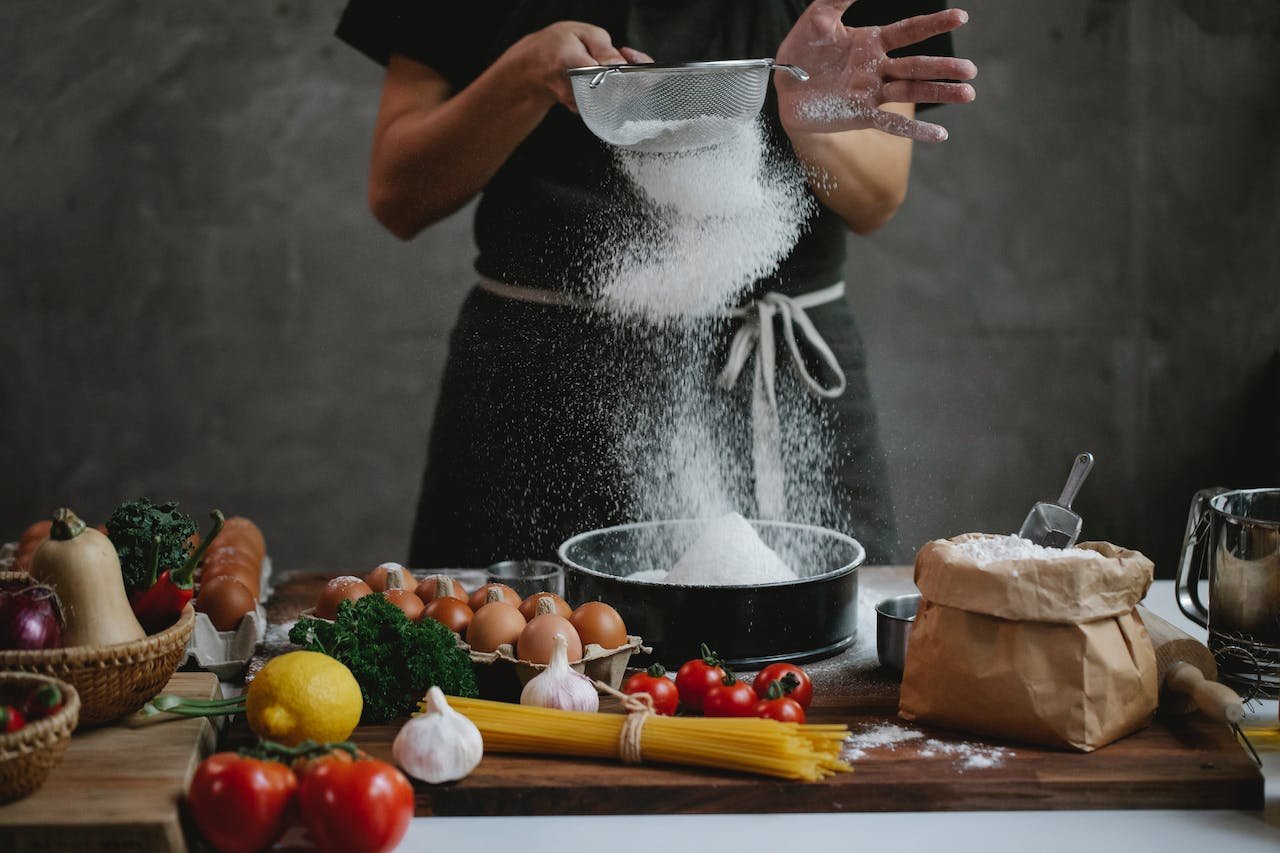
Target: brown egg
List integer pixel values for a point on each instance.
(344, 588)
(537, 640)
(377, 579)
(241, 571)
(234, 553)
(494, 624)
(426, 590)
(597, 622)
(239, 528)
(225, 601)
(406, 601)
(529, 607)
(481, 596)
(236, 541)
(449, 612)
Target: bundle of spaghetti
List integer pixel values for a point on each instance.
(748, 744)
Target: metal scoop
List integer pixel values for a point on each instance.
(1054, 525)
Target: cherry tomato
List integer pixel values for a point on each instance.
(698, 676)
(360, 806)
(777, 706)
(730, 698)
(801, 690)
(42, 702)
(11, 719)
(655, 683)
(241, 803)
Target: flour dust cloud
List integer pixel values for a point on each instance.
(709, 224)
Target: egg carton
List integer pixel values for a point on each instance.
(227, 653)
(501, 675)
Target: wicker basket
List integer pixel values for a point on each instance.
(28, 755)
(112, 680)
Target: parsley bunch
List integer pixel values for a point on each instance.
(133, 527)
(394, 660)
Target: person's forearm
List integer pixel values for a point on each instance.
(432, 156)
(860, 174)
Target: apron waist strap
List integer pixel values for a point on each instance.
(755, 334)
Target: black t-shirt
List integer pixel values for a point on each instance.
(560, 188)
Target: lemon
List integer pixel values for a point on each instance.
(303, 696)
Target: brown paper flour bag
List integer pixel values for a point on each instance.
(1029, 648)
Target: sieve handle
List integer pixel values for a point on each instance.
(796, 71)
(600, 75)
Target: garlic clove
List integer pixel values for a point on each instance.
(438, 745)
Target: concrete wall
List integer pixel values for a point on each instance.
(194, 302)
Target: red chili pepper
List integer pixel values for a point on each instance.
(159, 605)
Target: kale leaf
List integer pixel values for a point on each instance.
(394, 660)
(132, 527)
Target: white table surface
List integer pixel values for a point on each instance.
(1044, 831)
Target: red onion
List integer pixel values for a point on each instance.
(30, 618)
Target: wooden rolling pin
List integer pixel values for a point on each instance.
(1188, 674)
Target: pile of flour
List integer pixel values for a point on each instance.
(728, 551)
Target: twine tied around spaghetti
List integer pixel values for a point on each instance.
(639, 707)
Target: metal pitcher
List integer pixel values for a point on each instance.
(1237, 534)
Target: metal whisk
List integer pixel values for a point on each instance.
(659, 108)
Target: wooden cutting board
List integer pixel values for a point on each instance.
(1179, 763)
(118, 787)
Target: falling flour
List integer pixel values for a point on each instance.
(998, 549)
(694, 233)
(717, 219)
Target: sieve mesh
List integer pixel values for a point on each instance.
(665, 108)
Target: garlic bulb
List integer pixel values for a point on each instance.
(438, 745)
(558, 686)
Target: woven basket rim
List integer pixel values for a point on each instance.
(46, 732)
(146, 648)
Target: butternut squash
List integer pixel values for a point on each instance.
(81, 565)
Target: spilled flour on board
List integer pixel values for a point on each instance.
(888, 736)
(968, 756)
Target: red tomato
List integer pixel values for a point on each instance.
(697, 676)
(661, 689)
(11, 719)
(775, 706)
(361, 806)
(241, 803)
(801, 690)
(730, 698)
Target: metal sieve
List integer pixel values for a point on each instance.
(659, 108)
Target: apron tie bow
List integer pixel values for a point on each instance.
(756, 334)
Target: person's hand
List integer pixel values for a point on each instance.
(542, 57)
(850, 74)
